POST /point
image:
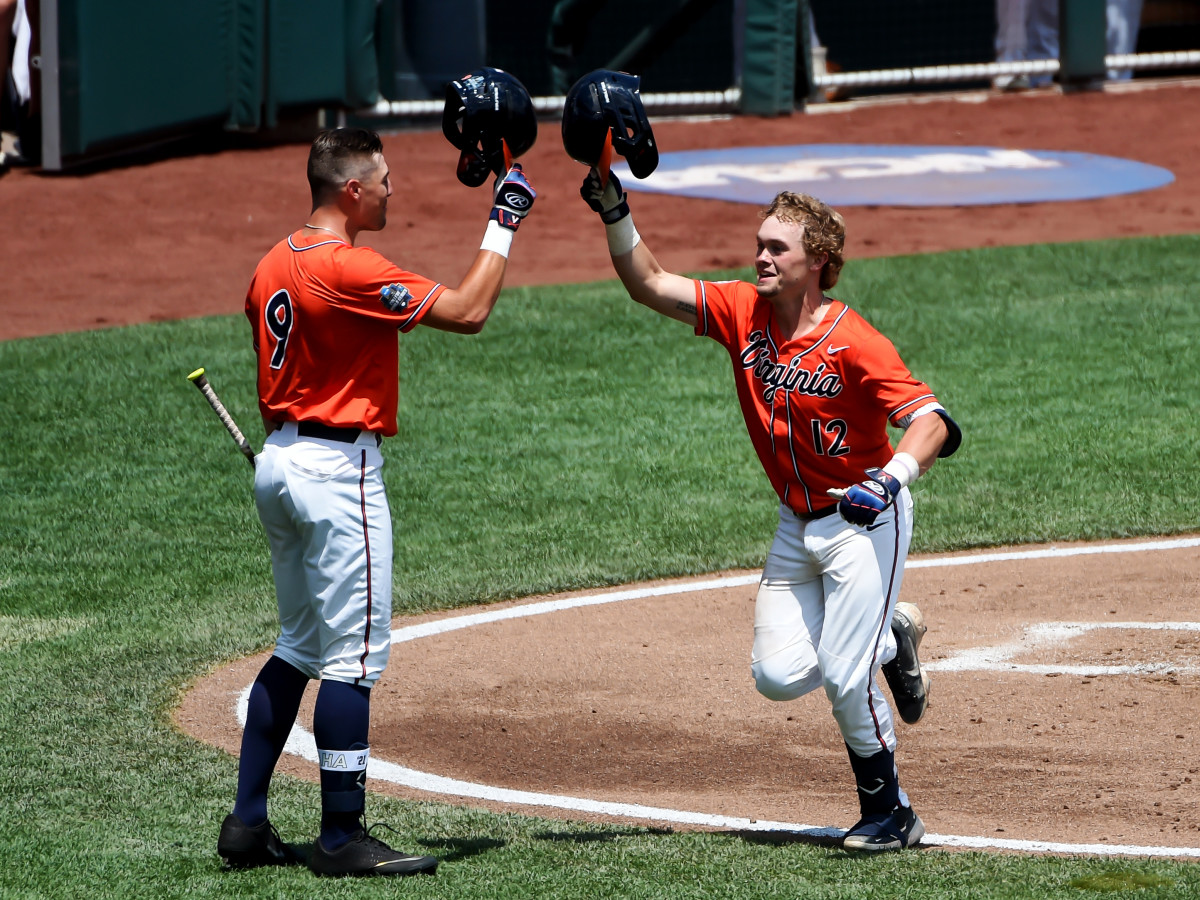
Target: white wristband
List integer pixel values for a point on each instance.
(497, 238)
(904, 468)
(622, 236)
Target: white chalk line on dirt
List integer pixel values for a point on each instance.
(301, 743)
(992, 659)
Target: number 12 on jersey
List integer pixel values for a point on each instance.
(836, 430)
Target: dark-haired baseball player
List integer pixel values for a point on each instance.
(818, 387)
(325, 316)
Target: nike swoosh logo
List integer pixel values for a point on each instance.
(832, 349)
(876, 525)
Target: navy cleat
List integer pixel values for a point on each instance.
(886, 831)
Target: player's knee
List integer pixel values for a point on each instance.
(777, 680)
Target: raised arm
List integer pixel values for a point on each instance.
(466, 308)
(646, 281)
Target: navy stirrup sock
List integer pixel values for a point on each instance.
(878, 785)
(341, 723)
(274, 702)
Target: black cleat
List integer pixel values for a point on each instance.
(910, 685)
(886, 831)
(367, 855)
(248, 848)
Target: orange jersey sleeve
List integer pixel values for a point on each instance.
(324, 317)
(817, 407)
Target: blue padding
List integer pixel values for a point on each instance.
(889, 175)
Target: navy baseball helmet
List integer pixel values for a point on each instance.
(604, 103)
(486, 110)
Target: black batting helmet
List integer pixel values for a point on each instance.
(605, 102)
(486, 110)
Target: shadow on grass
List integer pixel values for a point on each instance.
(456, 849)
(829, 839)
(608, 834)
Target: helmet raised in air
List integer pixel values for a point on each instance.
(605, 103)
(486, 111)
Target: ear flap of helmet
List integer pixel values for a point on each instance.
(642, 156)
(473, 169)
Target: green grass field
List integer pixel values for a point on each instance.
(579, 441)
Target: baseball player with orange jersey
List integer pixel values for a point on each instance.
(325, 315)
(818, 387)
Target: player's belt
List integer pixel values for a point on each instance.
(329, 433)
(819, 514)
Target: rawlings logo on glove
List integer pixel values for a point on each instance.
(514, 197)
(861, 504)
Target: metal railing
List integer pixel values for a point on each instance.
(729, 101)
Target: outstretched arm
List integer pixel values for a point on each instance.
(466, 308)
(646, 281)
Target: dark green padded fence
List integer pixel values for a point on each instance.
(128, 72)
(118, 74)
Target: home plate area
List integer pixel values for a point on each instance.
(1063, 680)
(1060, 719)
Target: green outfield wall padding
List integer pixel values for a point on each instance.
(1082, 26)
(419, 54)
(321, 53)
(549, 44)
(132, 72)
(769, 63)
(246, 27)
(129, 67)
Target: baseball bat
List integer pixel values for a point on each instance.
(199, 379)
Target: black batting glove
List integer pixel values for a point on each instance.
(513, 197)
(861, 504)
(609, 201)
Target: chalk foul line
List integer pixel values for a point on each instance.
(301, 743)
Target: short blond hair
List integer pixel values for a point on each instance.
(824, 229)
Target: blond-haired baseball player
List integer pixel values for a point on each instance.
(818, 387)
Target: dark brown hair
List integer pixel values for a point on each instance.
(338, 155)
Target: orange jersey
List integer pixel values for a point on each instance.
(817, 407)
(325, 317)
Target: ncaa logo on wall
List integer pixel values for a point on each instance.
(873, 174)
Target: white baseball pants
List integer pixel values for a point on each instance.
(823, 617)
(323, 506)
